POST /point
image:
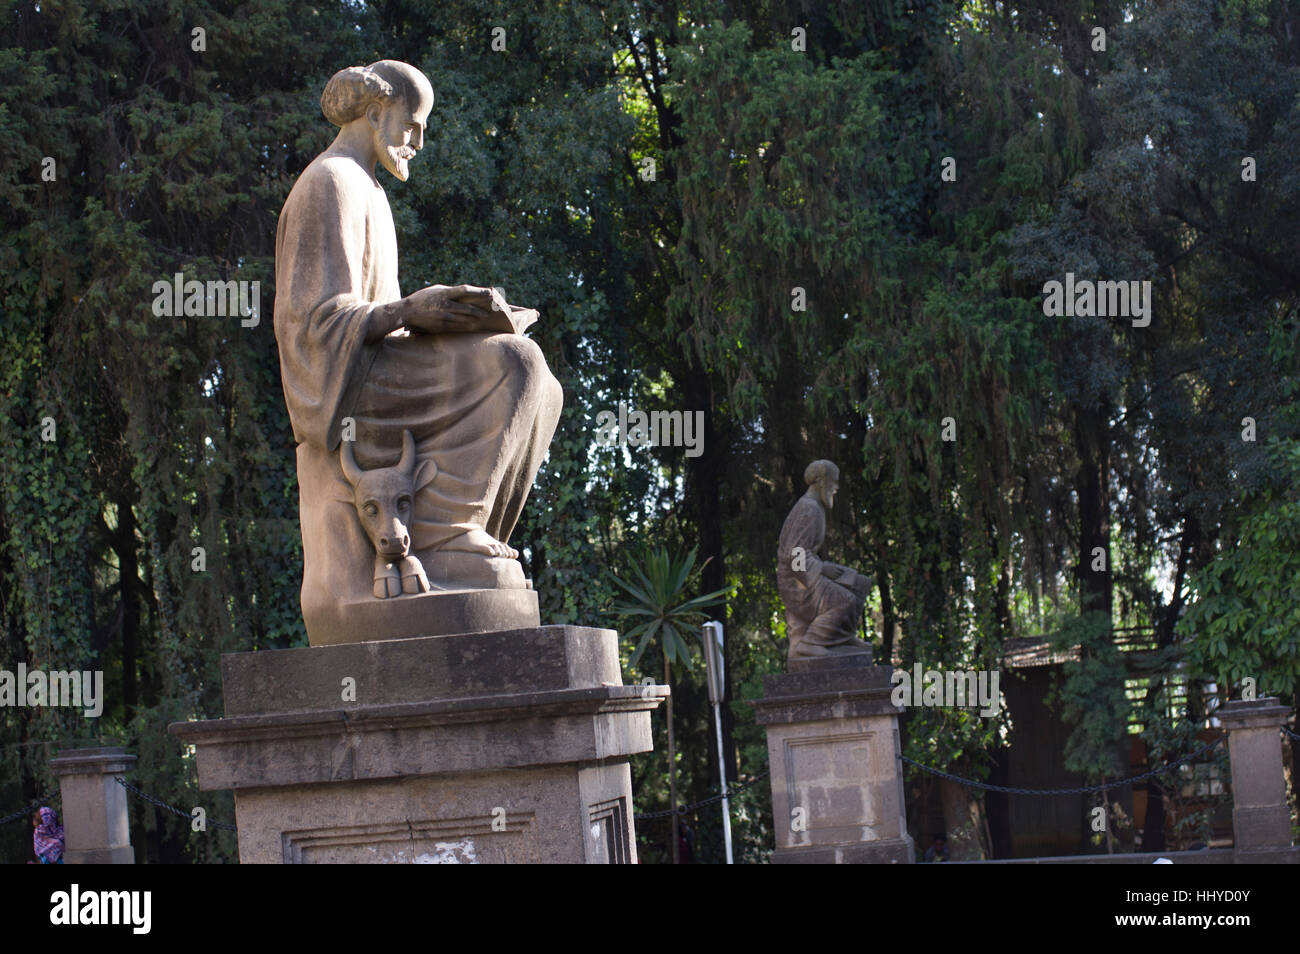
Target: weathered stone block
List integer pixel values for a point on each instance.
(494, 747)
(95, 822)
(1261, 820)
(833, 747)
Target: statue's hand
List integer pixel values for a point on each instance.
(447, 309)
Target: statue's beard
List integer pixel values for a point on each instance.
(395, 160)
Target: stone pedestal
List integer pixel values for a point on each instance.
(95, 826)
(1261, 821)
(832, 743)
(485, 748)
(439, 613)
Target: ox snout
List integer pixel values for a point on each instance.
(394, 542)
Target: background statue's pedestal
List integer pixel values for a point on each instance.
(833, 748)
(491, 747)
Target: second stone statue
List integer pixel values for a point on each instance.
(432, 371)
(823, 600)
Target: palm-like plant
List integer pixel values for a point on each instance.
(660, 602)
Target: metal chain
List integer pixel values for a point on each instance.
(708, 801)
(1080, 790)
(14, 816)
(736, 789)
(171, 808)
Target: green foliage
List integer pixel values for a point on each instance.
(1092, 698)
(661, 606)
(1245, 621)
(775, 169)
(1194, 792)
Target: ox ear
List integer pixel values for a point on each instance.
(424, 474)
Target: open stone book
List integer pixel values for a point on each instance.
(509, 318)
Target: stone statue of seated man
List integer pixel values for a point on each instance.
(823, 600)
(359, 362)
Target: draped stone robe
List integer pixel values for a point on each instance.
(483, 407)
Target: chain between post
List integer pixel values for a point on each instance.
(1078, 790)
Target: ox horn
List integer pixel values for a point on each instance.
(407, 464)
(350, 469)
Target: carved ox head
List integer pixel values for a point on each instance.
(384, 497)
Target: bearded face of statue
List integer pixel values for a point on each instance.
(827, 487)
(399, 134)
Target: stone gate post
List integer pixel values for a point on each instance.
(1261, 821)
(95, 826)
